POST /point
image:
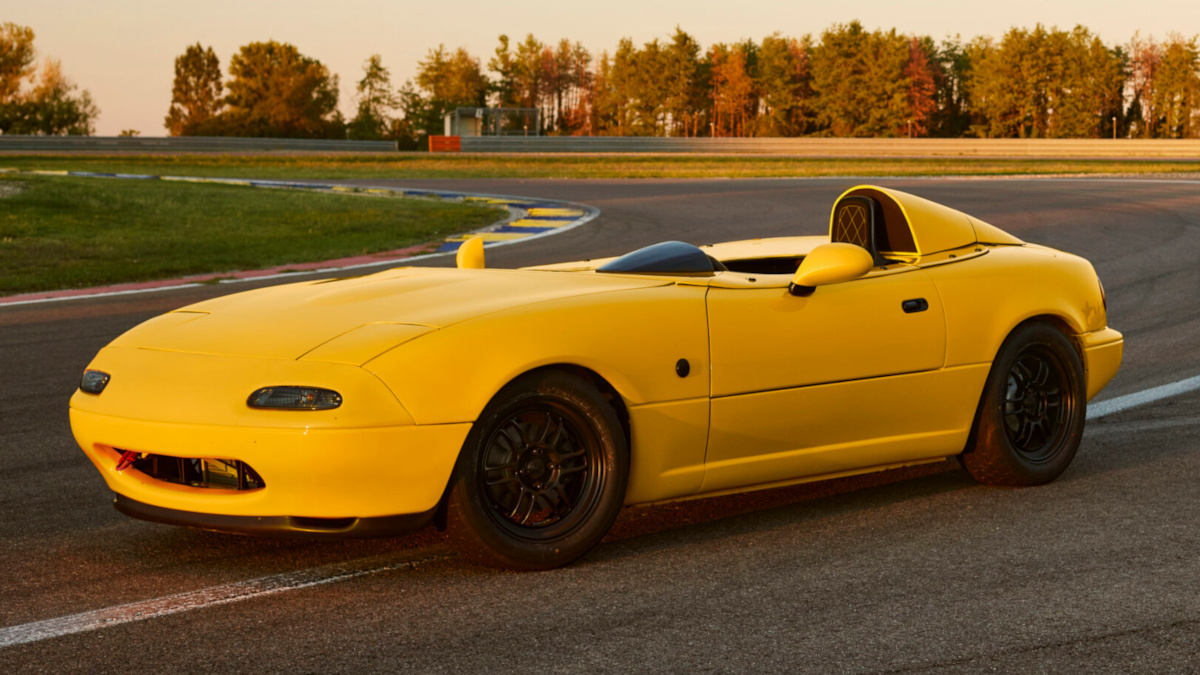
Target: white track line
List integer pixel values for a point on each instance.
(205, 597)
(1121, 403)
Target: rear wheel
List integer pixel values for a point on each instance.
(541, 477)
(1032, 413)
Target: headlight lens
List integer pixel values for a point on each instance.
(295, 398)
(94, 381)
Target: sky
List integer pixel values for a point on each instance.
(123, 51)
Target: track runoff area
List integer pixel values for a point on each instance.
(400, 563)
(529, 218)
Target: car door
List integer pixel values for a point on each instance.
(837, 381)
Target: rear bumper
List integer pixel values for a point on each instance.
(308, 473)
(278, 526)
(1102, 352)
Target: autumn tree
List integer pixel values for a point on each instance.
(1145, 60)
(649, 90)
(784, 84)
(196, 94)
(952, 66)
(1176, 89)
(55, 106)
(621, 81)
(1046, 84)
(529, 72)
(921, 74)
(734, 98)
(376, 102)
(860, 82)
(685, 80)
(274, 90)
(603, 108)
(504, 65)
(414, 117)
(452, 78)
(43, 102)
(580, 68)
(16, 59)
(1088, 91)
(1164, 78)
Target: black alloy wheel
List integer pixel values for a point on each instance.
(1037, 404)
(541, 476)
(1031, 415)
(541, 470)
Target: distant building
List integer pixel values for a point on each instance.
(493, 122)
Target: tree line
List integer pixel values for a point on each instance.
(38, 101)
(847, 82)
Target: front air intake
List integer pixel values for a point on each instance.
(202, 472)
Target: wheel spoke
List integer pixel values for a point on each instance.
(1024, 432)
(517, 506)
(501, 481)
(1041, 433)
(562, 457)
(558, 435)
(1043, 372)
(533, 498)
(516, 440)
(1022, 374)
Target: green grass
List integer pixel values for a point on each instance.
(422, 165)
(77, 232)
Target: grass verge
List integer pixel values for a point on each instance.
(60, 233)
(423, 165)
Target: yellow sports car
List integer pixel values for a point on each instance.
(521, 409)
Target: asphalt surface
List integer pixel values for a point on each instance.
(914, 571)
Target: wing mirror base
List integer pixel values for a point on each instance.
(801, 291)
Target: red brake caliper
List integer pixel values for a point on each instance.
(126, 460)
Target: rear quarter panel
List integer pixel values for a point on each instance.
(987, 296)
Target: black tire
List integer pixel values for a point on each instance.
(541, 476)
(1031, 415)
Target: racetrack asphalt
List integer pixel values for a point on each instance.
(913, 571)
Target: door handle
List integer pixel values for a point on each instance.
(914, 305)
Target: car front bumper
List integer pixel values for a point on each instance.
(330, 473)
(1102, 353)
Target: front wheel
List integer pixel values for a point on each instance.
(541, 476)
(1031, 416)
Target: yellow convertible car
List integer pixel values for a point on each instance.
(520, 409)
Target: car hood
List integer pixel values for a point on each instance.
(351, 320)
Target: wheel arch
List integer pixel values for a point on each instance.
(602, 384)
(1059, 323)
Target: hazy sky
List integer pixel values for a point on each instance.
(124, 50)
